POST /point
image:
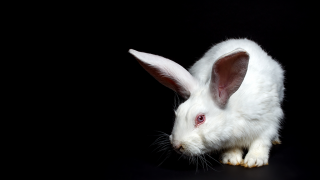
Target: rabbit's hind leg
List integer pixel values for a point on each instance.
(276, 141)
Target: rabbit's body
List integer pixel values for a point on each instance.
(234, 101)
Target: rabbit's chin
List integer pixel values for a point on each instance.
(191, 154)
(193, 151)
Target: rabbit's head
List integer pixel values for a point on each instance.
(201, 122)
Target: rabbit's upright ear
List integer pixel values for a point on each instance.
(227, 75)
(167, 72)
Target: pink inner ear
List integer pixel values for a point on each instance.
(165, 79)
(167, 72)
(227, 75)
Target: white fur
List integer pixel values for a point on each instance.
(250, 119)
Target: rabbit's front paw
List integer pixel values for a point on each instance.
(255, 160)
(232, 157)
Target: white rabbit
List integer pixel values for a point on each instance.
(234, 94)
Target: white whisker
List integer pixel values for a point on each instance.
(197, 165)
(165, 158)
(202, 162)
(214, 159)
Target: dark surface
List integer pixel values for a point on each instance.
(124, 107)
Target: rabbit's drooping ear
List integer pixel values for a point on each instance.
(227, 75)
(167, 72)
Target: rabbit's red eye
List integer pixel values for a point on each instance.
(200, 119)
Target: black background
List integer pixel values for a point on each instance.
(122, 107)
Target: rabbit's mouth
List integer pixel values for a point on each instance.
(179, 150)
